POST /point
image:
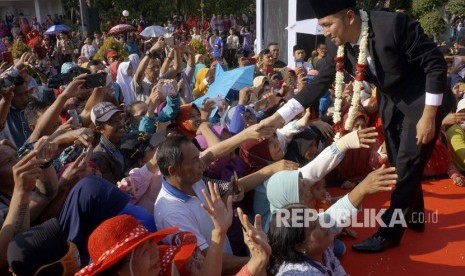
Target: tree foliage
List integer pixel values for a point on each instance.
(157, 11)
(430, 15)
(111, 44)
(432, 23)
(422, 7)
(456, 7)
(18, 49)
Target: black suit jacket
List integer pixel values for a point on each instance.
(408, 64)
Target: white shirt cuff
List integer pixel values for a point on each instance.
(433, 99)
(291, 109)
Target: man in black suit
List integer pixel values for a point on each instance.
(413, 98)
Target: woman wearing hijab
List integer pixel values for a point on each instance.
(124, 78)
(356, 164)
(304, 146)
(90, 202)
(188, 120)
(293, 187)
(302, 250)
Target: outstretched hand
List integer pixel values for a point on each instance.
(259, 132)
(379, 180)
(367, 136)
(220, 214)
(257, 242)
(27, 171)
(274, 121)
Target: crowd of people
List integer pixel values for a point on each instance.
(110, 167)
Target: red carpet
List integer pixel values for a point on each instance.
(440, 250)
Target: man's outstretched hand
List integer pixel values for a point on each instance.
(275, 121)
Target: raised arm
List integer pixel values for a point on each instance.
(44, 124)
(25, 174)
(167, 63)
(153, 52)
(228, 145)
(5, 103)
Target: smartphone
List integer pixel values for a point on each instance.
(169, 41)
(7, 57)
(88, 151)
(42, 152)
(286, 76)
(74, 118)
(59, 80)
(95, 80)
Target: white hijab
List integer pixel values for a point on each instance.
(124, 82)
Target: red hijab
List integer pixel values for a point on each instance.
(256, 154)
(184, 127)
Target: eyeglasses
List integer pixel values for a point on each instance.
(71, 262)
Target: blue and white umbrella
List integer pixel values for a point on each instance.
(154, 31)
(56, 29)
(228, 80)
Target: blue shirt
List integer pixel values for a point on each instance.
(217, 47)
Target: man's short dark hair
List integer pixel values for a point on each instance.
(169, 153)
(32, 110)
(272, 44)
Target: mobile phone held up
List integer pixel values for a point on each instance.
(95, 80)
(74, 118)
(7, 57)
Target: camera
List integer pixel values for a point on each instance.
(66, 78)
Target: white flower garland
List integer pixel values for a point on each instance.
(360, 76)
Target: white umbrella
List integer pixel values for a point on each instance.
(309, 26)
(154, 31)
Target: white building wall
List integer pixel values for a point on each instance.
(28, 8)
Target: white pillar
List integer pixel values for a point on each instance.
(291, 34)
(259, 26)
(49, 8)
(84, 29)
(37, 9)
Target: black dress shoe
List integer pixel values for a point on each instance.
(415, 224)
(376, 243)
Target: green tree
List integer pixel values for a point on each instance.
(432, 15)
(432, 23)
(421, 7)
(456, 7)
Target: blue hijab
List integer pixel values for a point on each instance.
(91, 201)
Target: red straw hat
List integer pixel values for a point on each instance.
(183, 248)
(116, 238)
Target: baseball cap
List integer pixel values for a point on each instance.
(102, 112)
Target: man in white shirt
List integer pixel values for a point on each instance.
(299, 61)
(232, 43)
(179, 201)
(88, 50)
